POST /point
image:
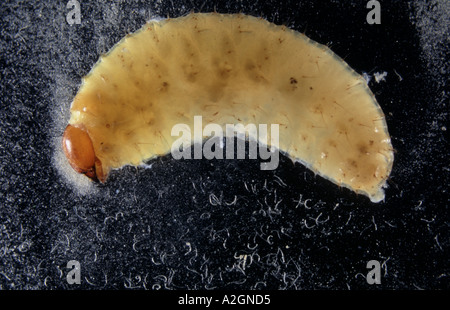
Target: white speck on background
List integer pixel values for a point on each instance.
(380, 76)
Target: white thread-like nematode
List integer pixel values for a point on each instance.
(229, 68)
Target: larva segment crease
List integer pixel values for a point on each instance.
(233, 68)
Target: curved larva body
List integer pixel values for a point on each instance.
(234, 69)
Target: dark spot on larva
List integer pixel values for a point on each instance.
(318, 109)
(353, 163)
(108, 125)
(310, 88)
(363, 149)
(250, 65)
(293, 80)
(224, 73)
(190, 73)
(106, 147)
(252, 73)
(164, 86)
(191, 77)
(342, 129)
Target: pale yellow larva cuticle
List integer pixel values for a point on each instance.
(233, 67)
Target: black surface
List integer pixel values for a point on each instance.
(192, 224)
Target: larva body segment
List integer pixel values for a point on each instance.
(235, 69)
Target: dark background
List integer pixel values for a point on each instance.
(203, 224)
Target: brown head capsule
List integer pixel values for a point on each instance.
(79, 150)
